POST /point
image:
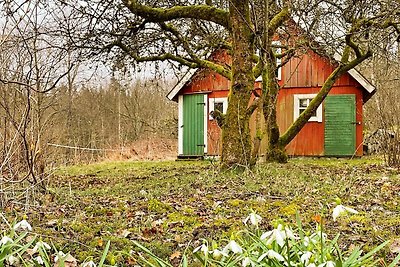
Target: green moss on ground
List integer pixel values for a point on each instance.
(168, 205)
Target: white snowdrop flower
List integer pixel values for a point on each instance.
(39, 260)
(203, 248)
(327, 264)
(59, 255)
(5, 240)
(305, 258)
(311, 265)
(340, 209)
(89, 264)
(42, 245)
(247, 261)
(316, 237)
(23, 225)
(271, 254)
(254, 219)
(12, 260)
(275, 235)
(307, 241)
(234, 247)
(217, 254)
(289, 233)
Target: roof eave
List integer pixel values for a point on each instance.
(181, 83)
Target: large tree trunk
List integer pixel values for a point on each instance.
(236, 140)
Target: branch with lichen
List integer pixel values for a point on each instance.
(200, 62)
(203, 12)
(278, 20)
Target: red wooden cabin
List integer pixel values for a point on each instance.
(335, 130)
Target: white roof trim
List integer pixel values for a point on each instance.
(356, 75)
(367, 85)
(362, 80)
(175, 90)
(353, 73)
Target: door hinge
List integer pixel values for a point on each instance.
(201, 103)
(356, 122)
(203, 145)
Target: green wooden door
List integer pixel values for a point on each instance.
(193, 125)
(340, 125)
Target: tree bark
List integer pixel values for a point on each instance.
(275, 151)
(236, 140)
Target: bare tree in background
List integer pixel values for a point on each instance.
(383, 112)
(185, 33)
(30, 69)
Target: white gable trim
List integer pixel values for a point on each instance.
(358, 77)
(362, 80)
(175, 90)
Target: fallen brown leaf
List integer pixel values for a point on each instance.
(175, 255)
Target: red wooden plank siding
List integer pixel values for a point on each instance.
(303, 75)
(310, 140)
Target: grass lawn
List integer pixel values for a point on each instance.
(168, 205)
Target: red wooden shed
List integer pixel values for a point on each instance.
(336, 129)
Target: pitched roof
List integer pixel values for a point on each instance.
(364, 82)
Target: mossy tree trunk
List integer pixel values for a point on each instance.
(275, 151)
(236, 140)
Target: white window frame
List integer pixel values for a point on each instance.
(180, 125)
(223, 100)
(296, 107)
(278, 60)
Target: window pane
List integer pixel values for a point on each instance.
(219, 107)
(314, 114)
(303, 103)
(301, 110)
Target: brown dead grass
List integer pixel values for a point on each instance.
(148, 149)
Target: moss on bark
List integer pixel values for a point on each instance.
(236, 140)
(275, 152)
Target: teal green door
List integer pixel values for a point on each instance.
(340, 125)
(193, 124)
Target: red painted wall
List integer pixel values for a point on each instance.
(303, 75)
(310, 140)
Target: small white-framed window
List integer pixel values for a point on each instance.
(301, 102)
(219, 103)
(278, 60)
(278, 50)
